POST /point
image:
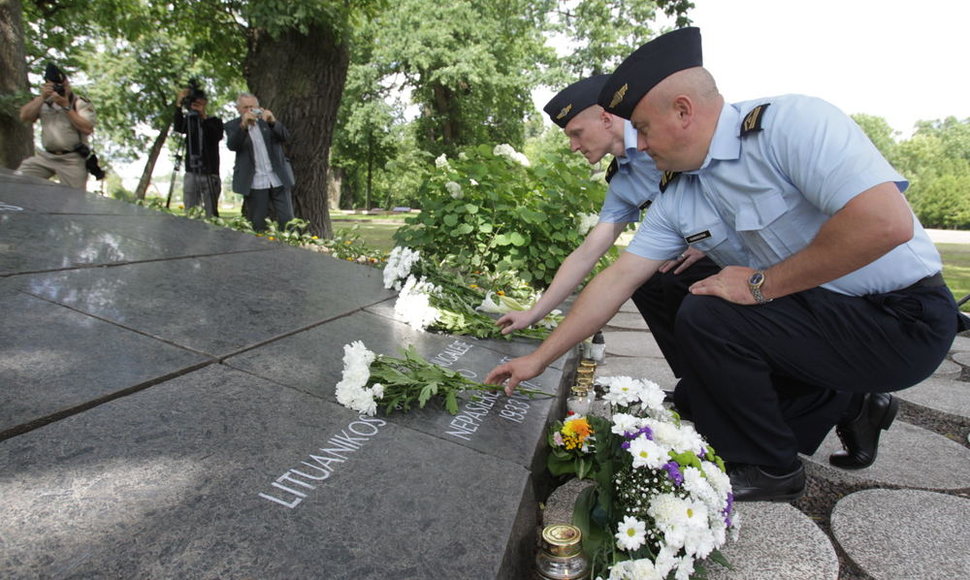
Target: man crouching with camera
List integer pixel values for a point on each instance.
(66, 122)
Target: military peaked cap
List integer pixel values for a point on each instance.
(574, 99)
(647, 66)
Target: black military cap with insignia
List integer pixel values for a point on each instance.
(574, 99)
(647, 66)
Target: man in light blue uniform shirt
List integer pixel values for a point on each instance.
(836, 299)
(633, 184)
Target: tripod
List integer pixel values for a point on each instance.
(200, 183)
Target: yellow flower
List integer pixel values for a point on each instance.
(271, 238)
(500, 293)
(314, 238)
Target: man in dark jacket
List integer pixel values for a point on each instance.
(262, 173)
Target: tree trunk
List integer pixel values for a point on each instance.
(315, 66)
(153, 153)
(16, 137)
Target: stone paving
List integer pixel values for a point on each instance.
(905, 517)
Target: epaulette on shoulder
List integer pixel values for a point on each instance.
(668, 176)
(611, 170)
(752, 121)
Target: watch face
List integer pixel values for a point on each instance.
(756, 279)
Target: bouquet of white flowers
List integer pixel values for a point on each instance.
(432, 298)
(662, 500)
(370, 379)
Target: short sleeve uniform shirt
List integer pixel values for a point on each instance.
(775, 187)
(635, 183)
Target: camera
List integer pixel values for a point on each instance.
(256, 112)
(54, 75)
(194, 94)
(90, 160)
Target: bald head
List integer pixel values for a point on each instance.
(676, 119)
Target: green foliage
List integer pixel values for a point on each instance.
(488, 212)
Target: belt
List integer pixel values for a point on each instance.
(59, 152)
(934, 281)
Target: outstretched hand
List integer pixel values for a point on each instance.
(514, 372)
(515, 320)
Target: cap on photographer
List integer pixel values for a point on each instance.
(66, 122)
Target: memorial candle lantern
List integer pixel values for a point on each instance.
(561, 555)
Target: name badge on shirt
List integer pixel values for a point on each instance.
(698, 237)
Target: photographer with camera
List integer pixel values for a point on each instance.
(201, 148)
(262, 173)
(66, 122)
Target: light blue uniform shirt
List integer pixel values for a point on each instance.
(776, 187)
(637, 181)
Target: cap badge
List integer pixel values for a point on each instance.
(618, 95)
(565, 111)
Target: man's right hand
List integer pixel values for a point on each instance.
(514, 372)
(515, 320)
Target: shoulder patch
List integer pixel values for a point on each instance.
(612, 169)
(752, 121)
(667, 178)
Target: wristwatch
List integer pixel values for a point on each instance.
(755, 282)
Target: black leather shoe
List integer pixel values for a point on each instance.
(751, 483)
(860, 436)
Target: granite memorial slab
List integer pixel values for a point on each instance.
(513, 429)
(219, 473)
(54, 360)
(514, 347)
(220, 304)
(40, 195)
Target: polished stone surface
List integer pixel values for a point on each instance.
(216, 304)
(167, 409)
(932, 545)
(54, 359)
(178, 481)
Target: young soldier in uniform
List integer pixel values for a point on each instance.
(842, 299)
(66, 121)
(633, 184)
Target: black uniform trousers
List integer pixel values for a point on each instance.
(658, 300)
(765, 382)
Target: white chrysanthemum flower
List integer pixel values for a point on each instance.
(454, 188)
(717, 478)
(652, 398)
(413, 304)
(399, 264)
(507, 151)
(356, 353)
(586, 222)
(625, 423)
(647, 453)
(441, 162)
(624, 391)
(677, 518)
(680, 438)
(632, 533)
(642, 569)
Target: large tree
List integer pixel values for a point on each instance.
(15, 136)
(469, 66)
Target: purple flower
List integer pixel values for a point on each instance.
(673, 470)
(728, 508)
